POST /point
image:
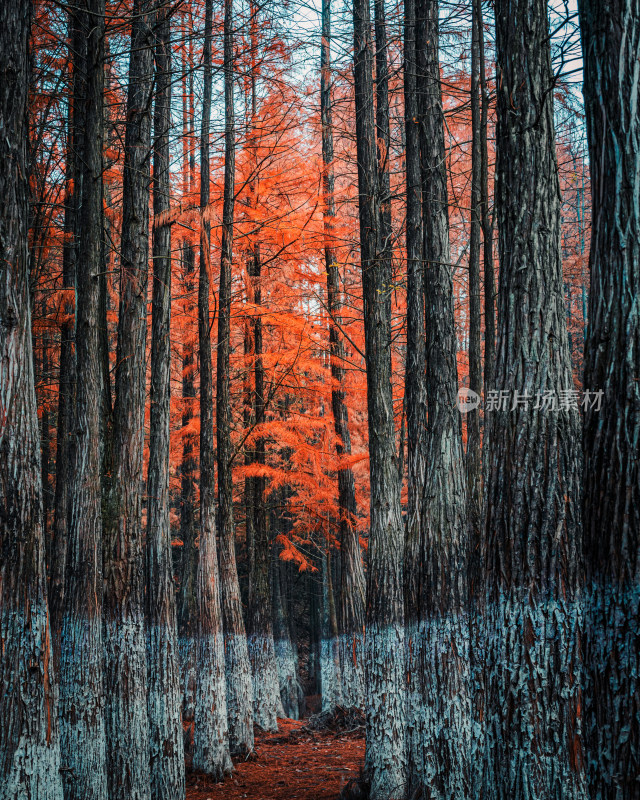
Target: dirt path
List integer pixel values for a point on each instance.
(289, 765)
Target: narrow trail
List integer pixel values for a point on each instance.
(293, 764)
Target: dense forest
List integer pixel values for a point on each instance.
(320, 398)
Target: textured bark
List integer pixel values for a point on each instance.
(29, 743)
(474, 460)
(81, 662)
(352, 587)
(188, 566)
(385, 674)
(330, 677)
(291, 692)
(166, 756)
(238, 668)
(439, 709)
(610, 43)
(415, 375)
(125, 658)
(210, 734)
(267, 705)
(533, 527)
(383, 137)
(67, 363)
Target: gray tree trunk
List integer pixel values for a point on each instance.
(384, 639)
(125, 647)
(610, 46)
(83, 736)
(29, 742)
(166, 754)
(210, 733)
(532, 531)
(238, 668)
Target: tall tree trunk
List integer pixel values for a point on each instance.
(267, 705)
(125, 657)
(352, 588)
(166, 755)
(210, 735)
(67, 363)
(384, 666)
(486, 218)
(610, 45)
(439, 710)
(474, 460)
(415, 373)
(29, 743)
(238, 668)
(83, 743)
(187, 620)
(532, 527)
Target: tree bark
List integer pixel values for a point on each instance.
(384, 666)
(352, 588)
(210, 733)
(125, 657)
(83, 737)
(610, 45)
(166, 755)
(439, 710)
(29, 741)
(238, 668)
(533, 527)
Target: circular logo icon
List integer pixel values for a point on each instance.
(467, 400)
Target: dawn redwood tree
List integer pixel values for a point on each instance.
(125, 648)
(166, 755)
(438, 708)
(83, 736)
(210, 732)
(533, 522)
(330, 677)
(385, 760)
(415, 371)
(29, 742)
(610, 46)
(238, 667)
(67, 358)
(352, 588)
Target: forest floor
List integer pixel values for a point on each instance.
(296, 763)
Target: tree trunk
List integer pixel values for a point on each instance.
(383, 138)
(439, 710)
(532, 527)
(330, 678)
(210, 734)
(238, 668)
(83, 739)
(352, 586)
(125, 657)
(415, 372)
(29, 743)
(267, 705)
(188, 567)
(385, 674)
(166, 755)
(610, 45)
(67, 363)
